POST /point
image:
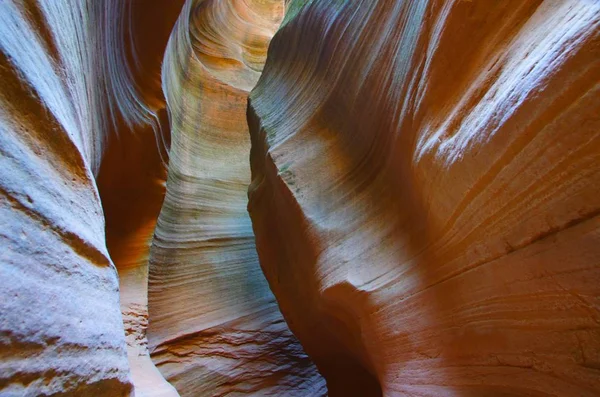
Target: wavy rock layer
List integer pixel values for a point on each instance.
(131, 183)
(215, 328)
(81, 105)
(426, 194)
(60, 326)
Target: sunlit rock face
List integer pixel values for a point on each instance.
(425, 193)
(215, 328)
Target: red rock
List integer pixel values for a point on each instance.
(424, 198)
(425, 194)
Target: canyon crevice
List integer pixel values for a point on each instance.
(215, 328)
(299, 198)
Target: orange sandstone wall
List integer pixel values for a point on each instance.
(425, 193)
(85, 141)
(131, 181)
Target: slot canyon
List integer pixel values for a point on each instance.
(299, 198)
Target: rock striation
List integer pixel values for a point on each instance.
(215, 328)
(85, 145)
(131, 183)
(85, 141)
(426, 193)
(61, 330)
(83, 182)
(419, 179)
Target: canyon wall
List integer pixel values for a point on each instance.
(421, 180)
(60, 326)
(85, 136)
(426, 193)
(215, 328)
(85, 146)
(131, 183)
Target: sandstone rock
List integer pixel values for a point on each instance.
(214, 326)
(425, 197)
(425, 194)
(80, 122)
(131, 183)
(85, 135)
(60, 325)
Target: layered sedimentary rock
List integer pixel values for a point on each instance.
(85, 136)
(215, 328)
(131, 183)
(60, 325)
(425, 193)
(425, 196)
(80, 123)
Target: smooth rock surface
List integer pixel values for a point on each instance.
(426, 194)
(85, 140)
(214, 326)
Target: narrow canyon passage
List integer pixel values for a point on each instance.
(214, 325)
(299, 198)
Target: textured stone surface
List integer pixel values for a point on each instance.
(81, 115)
(425, 194)
(85, 136)
(215, 328)
(131, 183)
(60, 325)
